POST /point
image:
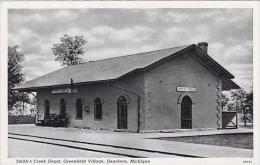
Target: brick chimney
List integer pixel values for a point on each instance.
(203, 46)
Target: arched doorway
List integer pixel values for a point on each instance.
(62, 107)
(46, 109)
(79, 109)
(186, 113)
(122, 113)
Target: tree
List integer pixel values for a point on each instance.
(242, 101)
(238, 98)
(15, 75)
(225, 101)
(227, 104)
(249, 106)
(69, 50)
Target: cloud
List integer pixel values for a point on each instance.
(236, 58)
(67, 15)
(115, 32)
(108, 52)
(24, 17)
(176, 17)
(152, 15)
(242, 53)
(234, 17)
(32, 71)
(134, 34)
(228, 55)
(179, 36)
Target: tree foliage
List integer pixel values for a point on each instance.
(240, 101)
(69, 50)
(249, 102)
(224, 100)
(15, 75)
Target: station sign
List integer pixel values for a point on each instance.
(66, 90)
(186, 89)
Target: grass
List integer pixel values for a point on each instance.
(237, 140)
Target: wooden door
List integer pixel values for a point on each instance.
(186, 113)
(122, 113)
(62, 107)
(46, 109)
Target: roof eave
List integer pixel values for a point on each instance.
(228, 84)
(225, 72)
(35, 89)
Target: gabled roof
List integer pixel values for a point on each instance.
(107, 69)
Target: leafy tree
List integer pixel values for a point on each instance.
(239, 98)
(249, 106)
(20, 100)
(15, 75)
(242, 101)
(69, 50)
(227, 104)
(225, 101)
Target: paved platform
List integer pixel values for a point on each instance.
(141, 140)
(28, 149)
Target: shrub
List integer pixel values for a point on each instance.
(54, 120)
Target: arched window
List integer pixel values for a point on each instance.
(186, 113)
(79, 109)
(122, 113)
(46, 109)
(62, 107)
(97, 109)
(122, 100)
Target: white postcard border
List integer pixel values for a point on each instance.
(255, 5)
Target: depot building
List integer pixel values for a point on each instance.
(175, 88)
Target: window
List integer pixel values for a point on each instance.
(97, 109)
(122, 100)
(79, 109)
(62, 107)
(46, 109)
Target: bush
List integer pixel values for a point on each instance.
(54, 120)
(25, 119)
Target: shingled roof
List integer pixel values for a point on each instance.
(106, 69)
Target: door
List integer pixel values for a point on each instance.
(186, 113)
(122, 113)
(46, 109)
(62, 107)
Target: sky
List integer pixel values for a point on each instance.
(117, 32)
